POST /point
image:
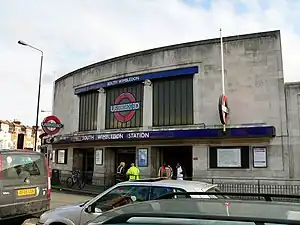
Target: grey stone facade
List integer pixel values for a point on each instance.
(254, 87)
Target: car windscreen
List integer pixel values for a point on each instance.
(22, 165)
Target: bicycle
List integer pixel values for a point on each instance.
(76, 178)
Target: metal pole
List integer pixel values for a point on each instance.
(222, 68)
(38, 103)
(222, 63)
(53, 93)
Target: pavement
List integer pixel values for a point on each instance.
(89, 190)
(57, 199)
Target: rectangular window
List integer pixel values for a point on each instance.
(124, 106)
(88, 111)
(157, 192)
(61, 156)
(229, 157)
(23, 165)
(173, 101)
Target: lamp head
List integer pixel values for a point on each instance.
(22, 43)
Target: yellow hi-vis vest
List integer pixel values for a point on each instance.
(133, 173)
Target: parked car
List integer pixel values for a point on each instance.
(25, 185)
(194, 211)
(121, 194)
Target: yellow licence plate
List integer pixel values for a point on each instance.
(26, 192)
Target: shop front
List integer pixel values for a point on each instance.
(203, 152)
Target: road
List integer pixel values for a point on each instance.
(60, 199)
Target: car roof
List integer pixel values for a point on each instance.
(19, 151)
(217, 207)
(185, 184)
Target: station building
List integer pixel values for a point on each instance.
(162, 105)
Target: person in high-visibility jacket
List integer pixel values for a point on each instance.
(133, 172)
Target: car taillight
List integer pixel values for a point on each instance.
(1, 167)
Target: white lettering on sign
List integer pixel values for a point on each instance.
(138, 135)
(52, 125)
(83, 138)
(110, 136)
(125, 107)
(119, 136)
(122, 81)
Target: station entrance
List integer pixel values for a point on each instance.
(83, 160)
(126, 155)
(178, 154)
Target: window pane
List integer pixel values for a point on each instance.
(181, 191)
(21, 166)
(119, 114)
(88, 106)
(121, 194)
(157, 192)
(140, 192)
(173, 101)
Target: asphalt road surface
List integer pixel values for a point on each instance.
(57, 199)
(60, 199)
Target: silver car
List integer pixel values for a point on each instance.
(204, 211)
(137, 191)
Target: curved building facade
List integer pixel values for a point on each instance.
(162, 105)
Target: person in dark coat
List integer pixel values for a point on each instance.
(121, 173)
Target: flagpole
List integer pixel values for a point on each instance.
(222, 63)
(222, 68)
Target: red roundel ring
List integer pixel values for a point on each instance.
(130, 115)
(46, 129)
(223, 109)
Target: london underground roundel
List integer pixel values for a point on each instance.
(51, 125)
(125, 107)
(223, 109)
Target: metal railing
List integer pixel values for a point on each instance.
(241, 185)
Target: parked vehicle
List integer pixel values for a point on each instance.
(122, 194)
(25, 184)
(77, 179)
(192, 211)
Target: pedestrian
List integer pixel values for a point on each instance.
(120, 176)
(133, 172)
(165, 171)
(180, 173)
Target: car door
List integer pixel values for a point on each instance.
(116, 197)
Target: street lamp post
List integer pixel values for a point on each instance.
(39, 91)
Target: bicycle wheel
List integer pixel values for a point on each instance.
(70, 182)
(80, 183)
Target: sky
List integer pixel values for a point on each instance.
(76, 33)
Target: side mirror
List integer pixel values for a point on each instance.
(133, 198)
(88, 209)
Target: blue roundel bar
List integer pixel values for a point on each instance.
(125, 107)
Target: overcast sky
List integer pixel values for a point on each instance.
(75, 33)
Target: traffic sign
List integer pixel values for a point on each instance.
(51, 125)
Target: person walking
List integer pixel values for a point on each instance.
(133, 172)
(179, 172)
(165, 171)
(120, 176)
